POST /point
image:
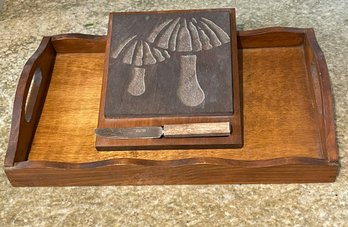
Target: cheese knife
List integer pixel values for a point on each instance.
(174, 130)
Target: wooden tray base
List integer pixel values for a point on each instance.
(289, 133)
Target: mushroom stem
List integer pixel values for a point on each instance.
(189, 92)
(137, 85)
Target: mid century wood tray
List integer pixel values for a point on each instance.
(289, 133)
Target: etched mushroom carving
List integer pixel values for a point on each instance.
(188, 36)
(138, 53)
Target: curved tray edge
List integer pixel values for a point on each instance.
(175, 163)
(79, 43)
(189, 171)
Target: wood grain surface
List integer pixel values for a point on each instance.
(189, 171)
(279, 116)
(288, 116)
(197, 130)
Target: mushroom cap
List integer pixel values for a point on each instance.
(138, 52)
(185, 35)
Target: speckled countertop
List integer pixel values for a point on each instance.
(24, 23)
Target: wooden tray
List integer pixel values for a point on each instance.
(289, 133)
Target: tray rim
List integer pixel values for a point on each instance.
(330, 151)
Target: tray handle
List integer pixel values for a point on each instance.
(29, 99)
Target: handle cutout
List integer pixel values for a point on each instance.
(32, 94)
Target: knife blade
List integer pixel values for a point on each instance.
(130, 133)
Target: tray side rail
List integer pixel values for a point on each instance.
(29, 100)
(319, 80)
(171, 172)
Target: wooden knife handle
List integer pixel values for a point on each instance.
(197, 130)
